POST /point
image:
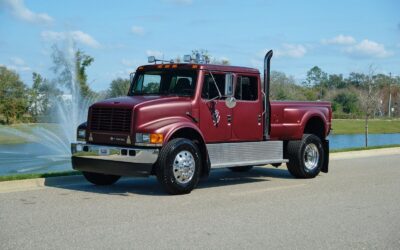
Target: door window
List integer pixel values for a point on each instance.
(246, 88)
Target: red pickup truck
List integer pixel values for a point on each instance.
(180, 120)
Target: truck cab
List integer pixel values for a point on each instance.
(180, 120)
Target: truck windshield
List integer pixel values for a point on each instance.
(164, 82)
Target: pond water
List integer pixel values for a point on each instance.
(35, 158)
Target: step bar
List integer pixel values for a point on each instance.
(238, 154)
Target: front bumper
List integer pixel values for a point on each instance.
(123, 161)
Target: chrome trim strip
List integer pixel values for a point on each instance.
(247, 163)
(113, 153)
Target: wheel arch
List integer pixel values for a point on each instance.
(315, 125)
(195, 135)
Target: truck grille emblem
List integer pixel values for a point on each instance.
(128, 140)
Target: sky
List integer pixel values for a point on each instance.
(339, 36)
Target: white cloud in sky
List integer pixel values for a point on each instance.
(76, 35)
(156, 53)
(20, 11)
(340, 40)
(138, 30)
(291, 50)
(18, 64)
(368, 48)
(17, 61)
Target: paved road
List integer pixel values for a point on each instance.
(355, 206)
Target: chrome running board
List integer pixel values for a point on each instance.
(237, 154)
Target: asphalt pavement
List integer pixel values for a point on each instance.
(355, 206)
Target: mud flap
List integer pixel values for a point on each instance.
(325, 144)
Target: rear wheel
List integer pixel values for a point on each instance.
(305, 157)
(179, 166)
(241, 169)
(101, 179)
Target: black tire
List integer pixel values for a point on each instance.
(172, 182)
(241, 169)
(302, 165)
(101, 179)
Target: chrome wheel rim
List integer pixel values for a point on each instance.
(184, 167)
(311, 156)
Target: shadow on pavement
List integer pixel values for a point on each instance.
(150, 186)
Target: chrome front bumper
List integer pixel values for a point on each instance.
(124, 161)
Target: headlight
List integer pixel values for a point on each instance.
(81, 134)
(149, 139)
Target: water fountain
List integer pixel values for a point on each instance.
(48, 147)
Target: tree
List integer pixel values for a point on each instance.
(42, 96)
(317, 78)
(70, 69)
(83, 61)
(368, 99)
(13, 96)
(348, 101)
(119, 87)
(284, 87)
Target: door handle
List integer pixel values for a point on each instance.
(229, 118)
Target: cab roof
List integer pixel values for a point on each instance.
(212, 67)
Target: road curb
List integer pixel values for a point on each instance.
(364, 153)
(38, 183)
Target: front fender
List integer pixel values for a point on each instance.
(168, 126)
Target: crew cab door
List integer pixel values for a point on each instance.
(215, 116)
(247, 124)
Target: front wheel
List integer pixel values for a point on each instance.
(101, 179)
(179, 166)
(305, 157)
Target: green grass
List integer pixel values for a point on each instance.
(357, 126)
(34, 176)
(364, 148)
(7, 135)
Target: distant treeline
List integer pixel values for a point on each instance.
(358, 95)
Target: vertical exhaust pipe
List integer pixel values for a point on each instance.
(267, 106)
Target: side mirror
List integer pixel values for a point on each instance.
(151, 59)
(230, 102)
(228, 84)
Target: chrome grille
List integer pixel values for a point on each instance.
(111, 119)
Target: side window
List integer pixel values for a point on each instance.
(246, 88)
(209, 90)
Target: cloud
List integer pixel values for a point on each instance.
(77, 36)
(291, 50)
(20, 11)
(367, 48)
(156, 53)
(180, 2)
(137, 30)
(340, 40)
(17, 61)
(18, 64)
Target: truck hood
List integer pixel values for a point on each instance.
(132, 101)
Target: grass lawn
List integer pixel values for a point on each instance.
(7, 135)
(357, 126)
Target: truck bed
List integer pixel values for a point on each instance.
(289, 118)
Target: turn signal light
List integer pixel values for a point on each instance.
(156, 138)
